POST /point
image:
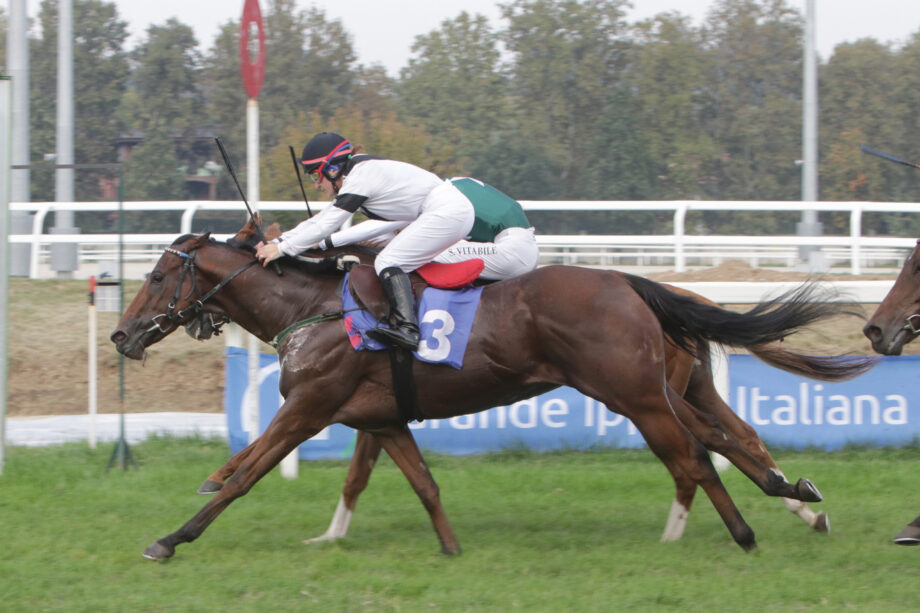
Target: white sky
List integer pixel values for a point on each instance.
(382, 31)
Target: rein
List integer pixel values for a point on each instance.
(197, 307)
(332, 315)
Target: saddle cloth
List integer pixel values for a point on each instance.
(445, 322)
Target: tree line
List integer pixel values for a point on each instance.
(566, 100)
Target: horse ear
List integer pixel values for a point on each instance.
(202, 239)
(273, 231)
(248, 232)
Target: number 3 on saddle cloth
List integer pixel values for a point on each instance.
(445, 316)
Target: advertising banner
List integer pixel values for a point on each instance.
(560, 419)
(878, 408)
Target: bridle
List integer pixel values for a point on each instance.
(910, 324)
(195, 309)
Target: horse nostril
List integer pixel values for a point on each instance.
(872, 332)
(118, 336)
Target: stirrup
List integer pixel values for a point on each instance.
(404, 339)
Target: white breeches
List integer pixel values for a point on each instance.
(447, 217)
(514, 252)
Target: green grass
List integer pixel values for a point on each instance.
(557, 532)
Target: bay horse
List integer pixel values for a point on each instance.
(600, 332)
(689, 373)
(895, 323)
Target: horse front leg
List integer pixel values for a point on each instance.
(216, 480)
(291, 426)
(401, 446)
(367, 450)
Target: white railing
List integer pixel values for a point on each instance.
(675, 250)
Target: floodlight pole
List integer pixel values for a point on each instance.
(811, 256)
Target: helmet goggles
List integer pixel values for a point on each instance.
(324, 166)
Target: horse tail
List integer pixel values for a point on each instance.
(688, 322)
(820, 368)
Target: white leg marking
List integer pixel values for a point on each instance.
(338, 527)
(677, 521)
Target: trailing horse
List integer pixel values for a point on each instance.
(895, 323)
(689, 375)
(601, 332)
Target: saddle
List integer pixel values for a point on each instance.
(365, 288)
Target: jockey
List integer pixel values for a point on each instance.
(423, 217)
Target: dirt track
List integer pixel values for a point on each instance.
(48, 351)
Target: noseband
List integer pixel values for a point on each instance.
(196, 308)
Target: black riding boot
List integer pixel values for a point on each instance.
(404, 331)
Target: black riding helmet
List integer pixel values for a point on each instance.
(325, 154)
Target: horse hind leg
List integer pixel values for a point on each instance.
(702, 394)
(688, 462)
(367, 450)
(709, 432)
(680, 509)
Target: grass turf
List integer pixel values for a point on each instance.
(574, 531)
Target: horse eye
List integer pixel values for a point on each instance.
(156, 277)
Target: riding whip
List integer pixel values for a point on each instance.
(299, 180)
(255, 222)
(886, 156)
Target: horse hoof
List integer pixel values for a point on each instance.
(210, 487)
(749, 546)
(822, 523)
(910, 535)
(807, 491)
(158, 551)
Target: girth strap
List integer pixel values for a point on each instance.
(404, 388)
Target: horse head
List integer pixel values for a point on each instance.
(171, 297)
(896, 321)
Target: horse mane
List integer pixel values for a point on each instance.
(312, 261)
(184, 238)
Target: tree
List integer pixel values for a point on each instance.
(566, 56)
(669, 70)
(154, 171)
(454, 86)
(166, 77)
(857, 108)
(309, 65)
(100, 80)
(754, 103)
(4, 27)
